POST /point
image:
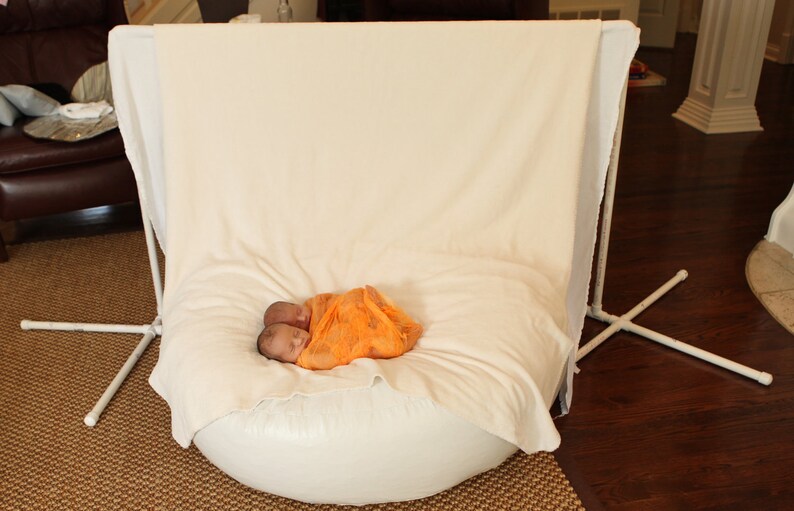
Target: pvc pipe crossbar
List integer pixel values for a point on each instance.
(27, 324)
(617, 323)
(92, 417)
(759, 376)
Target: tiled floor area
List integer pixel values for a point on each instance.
(770, 273)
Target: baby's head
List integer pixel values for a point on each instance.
(288, 313)
(282, 342)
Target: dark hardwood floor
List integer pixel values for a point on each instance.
(650, 428)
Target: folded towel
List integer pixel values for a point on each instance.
(92, 110)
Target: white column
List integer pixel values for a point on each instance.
(730, 50)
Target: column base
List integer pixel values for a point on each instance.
(719, 120)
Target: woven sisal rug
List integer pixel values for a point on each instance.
(50, 380)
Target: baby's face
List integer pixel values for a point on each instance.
(287, 344)
(292, 314)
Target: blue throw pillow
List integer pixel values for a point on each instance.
(8, 112)
(28, 101)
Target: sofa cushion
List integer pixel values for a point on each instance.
(59, 55)
(19, 152)
(31, 15)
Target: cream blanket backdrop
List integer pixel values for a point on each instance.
(436, 161)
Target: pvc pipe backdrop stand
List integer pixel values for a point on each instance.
(616, 323)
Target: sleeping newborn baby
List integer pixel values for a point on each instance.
(331, 330)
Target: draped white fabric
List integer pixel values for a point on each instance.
(440, 162)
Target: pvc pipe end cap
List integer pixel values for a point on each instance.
(765, 378)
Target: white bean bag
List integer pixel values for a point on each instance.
(457, 167)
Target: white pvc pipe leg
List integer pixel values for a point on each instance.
(27, 324)
(93, 416)
(759, 376)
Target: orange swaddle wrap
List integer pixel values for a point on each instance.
(357, 324)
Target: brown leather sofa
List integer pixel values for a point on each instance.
(436, 10)
(49, 44)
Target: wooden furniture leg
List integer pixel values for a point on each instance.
(3, 253)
